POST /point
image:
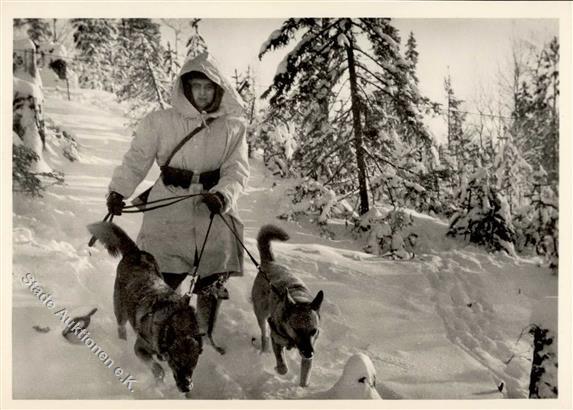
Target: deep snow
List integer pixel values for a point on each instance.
(442, 326)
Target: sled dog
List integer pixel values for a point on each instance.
(282, 301)
(165, 324)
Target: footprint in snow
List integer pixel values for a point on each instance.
(306, 250)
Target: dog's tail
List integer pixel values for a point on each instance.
(113, 238)
(267, 234)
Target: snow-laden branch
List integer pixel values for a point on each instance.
(287, 30)
(336, 148)
(372, 83)
(379, 158)
(371, 58)
(384, 90)
(376, 32)
(365, 93)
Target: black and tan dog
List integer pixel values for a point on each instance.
(285, 303)
(165, 324)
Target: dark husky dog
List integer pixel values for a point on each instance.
(282, 300)
(164, 322)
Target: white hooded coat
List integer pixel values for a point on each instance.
(174, 234)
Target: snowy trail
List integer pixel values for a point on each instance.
(439, 327)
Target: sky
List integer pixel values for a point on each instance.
(472, 50)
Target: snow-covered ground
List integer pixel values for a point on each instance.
(445, 325)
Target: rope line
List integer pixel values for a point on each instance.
(198, 260)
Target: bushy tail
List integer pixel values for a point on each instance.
(267, 234)
(113, 238)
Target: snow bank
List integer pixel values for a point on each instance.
(28, 99)
(357, 382)
(25, 66)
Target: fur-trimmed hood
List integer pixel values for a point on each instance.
(231, 103)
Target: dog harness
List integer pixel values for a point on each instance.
(153, 323)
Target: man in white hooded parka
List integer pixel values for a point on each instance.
(213, 162)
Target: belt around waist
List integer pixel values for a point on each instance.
(184, 178)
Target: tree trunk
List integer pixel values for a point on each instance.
(357, 125)
(159, 99)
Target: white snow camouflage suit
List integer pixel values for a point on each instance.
(174, 233)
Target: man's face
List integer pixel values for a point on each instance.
(203, 91)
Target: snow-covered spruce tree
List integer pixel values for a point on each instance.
(277, 140)
(537, 222)
(304, 110)
(398, 93)
(30, 174)
(38, 30)
(96, 41)
(483, 217)
(411, 56)
(388, 234)
(141, 56)
(24, 177)
(512, 173)
(28, 97)
(403, 153)
(196, 44)
(431, 188)
(458, 139)
(327, 83)
(178, 26)
(433, 174)
(171, 62)
(535, 113)
(245, 86)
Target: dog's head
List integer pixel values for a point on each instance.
(302, 321)
(183, 345)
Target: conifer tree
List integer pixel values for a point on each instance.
(196, 44)
(245, 86)
(538, 220)
(38, 30)
(512, 173)
(483, 217)
(458, 143)
(535, 115)
(95, 39)
(328, 85)
(412, 57)
(178, 26)
(142, 57)
(171, 62)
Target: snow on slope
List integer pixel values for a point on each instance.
(443, 326)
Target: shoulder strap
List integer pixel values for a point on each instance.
(187, 138)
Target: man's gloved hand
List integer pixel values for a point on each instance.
(214, 201)
(115, 203)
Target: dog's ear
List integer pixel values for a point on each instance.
(315, 304)
(288, 299)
